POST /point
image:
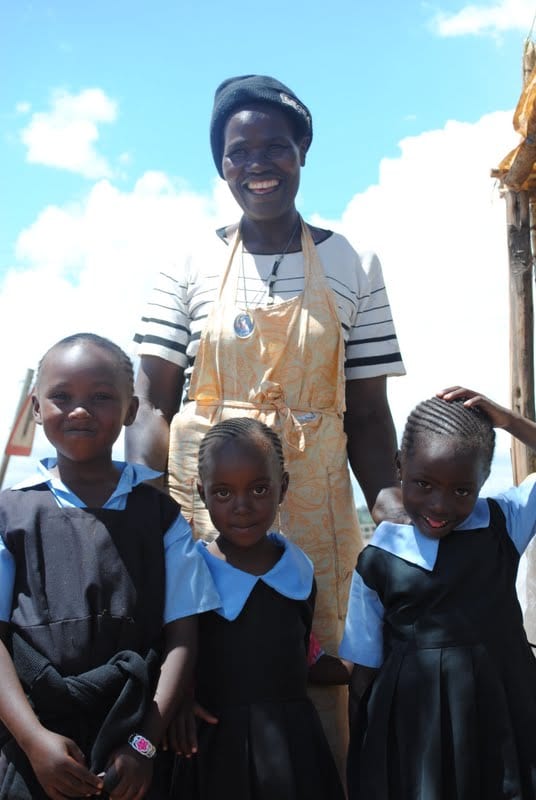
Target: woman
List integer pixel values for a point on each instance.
(285, 325)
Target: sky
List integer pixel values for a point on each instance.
(107, 174)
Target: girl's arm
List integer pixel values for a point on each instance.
(520, 427)
(325, 669)
(132, 772)
(56, 760)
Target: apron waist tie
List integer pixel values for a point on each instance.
(270, 397)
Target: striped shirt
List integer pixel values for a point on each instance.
(183, 297)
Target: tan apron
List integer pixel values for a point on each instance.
(289, 374)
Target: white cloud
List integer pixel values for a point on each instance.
(89, 267)
(434, 217)
(22, 107)
(65, 137)
(506, 15)
(438, 225)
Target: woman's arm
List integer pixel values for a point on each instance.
(522, 428)
(57, 761)
(372, 446)
(159, 388)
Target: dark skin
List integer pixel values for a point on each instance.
(262, 159)
(329, 671)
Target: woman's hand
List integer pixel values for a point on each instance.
(59, 766)
(389, 507)
(500, 417)
(522, 428)
(181, 735)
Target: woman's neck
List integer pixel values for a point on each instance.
(272, 236)
(93, 481)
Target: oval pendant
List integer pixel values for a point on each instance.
(244, 325)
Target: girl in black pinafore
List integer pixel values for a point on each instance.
(265, 740)
(99, 582)
(451, 714)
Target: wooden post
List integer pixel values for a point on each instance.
(521, 232)
(521, 323)
(521, 358)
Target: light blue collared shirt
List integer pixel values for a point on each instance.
(292, 577)
(363, 633)
(189, 585)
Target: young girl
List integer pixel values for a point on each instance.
(92, 562)
(452, 711)
(268, 742)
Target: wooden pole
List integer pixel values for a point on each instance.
(23, 395)
(521, 232)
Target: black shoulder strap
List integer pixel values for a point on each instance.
(496, 514)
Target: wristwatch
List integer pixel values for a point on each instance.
(142, 745)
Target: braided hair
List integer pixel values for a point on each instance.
(124, 362)
(239, 429)
(469, 427)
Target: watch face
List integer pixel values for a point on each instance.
(142, 745)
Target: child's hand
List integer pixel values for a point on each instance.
(330, 670)
(59, 766)
(500, 417)
(128, 774)
(181, 735)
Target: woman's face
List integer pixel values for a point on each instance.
(262, 161)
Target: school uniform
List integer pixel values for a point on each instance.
(86, 592)
(452, 712)
(268, 743)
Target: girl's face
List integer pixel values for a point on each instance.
(242, 487)
(440, 483)
(82, 400)
(262, 161)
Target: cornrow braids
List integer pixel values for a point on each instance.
(123, 360)
(239, 429)
(471, 427)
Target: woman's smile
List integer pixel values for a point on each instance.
(261, 187)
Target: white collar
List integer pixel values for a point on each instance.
(292, 577)
(407, 542)
(131, 476)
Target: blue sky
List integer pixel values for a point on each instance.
(372, 74)
(107, 171)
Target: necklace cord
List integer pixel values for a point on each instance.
(277, 263)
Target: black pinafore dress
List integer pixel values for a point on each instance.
(86, 621)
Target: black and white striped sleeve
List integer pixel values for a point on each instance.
(164, 329)
(372, 347)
